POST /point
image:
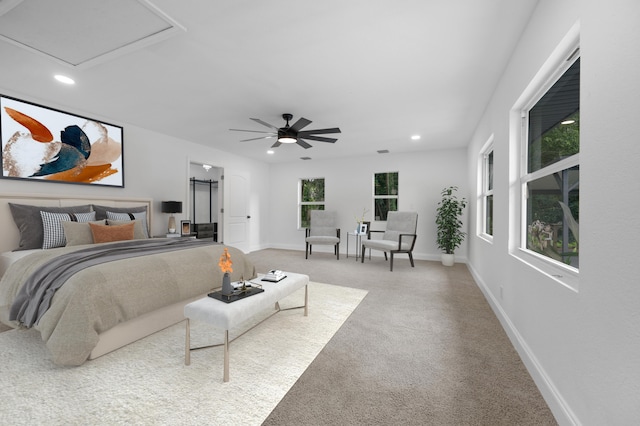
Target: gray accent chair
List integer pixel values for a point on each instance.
(322, 230)
(399, 237)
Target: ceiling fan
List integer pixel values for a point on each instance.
(291, 134)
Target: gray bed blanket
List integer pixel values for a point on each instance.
(97, 298)
(35, 295)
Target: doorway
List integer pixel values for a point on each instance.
(206, 201)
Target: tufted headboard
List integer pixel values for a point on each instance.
(10, 237)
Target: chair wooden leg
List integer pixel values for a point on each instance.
(338, 251)
(362, 257)
(385, 256)
(411, 259)
(306, 252)
(391, 262)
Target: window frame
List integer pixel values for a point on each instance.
(383, 197)
(309, 203)
(559, 62)
(484, 192)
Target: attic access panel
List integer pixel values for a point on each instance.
(83, 33)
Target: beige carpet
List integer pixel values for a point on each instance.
(423, 348)
(147, 382)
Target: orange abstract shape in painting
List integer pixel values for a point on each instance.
(86, 174)
(39, 131)
(225, 262)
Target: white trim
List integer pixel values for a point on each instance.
(559, 407)
(483, 191)
(561, 59)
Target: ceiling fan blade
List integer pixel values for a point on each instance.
(303, 144)
(255, 139)
(271, 126)
(301, 123)
(277, 144)
(252, 131)
(320, 138)
(319, 131)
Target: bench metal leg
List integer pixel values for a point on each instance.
(225, 372)
(226, 356)
(187, 346)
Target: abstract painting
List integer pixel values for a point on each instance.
(47, 145)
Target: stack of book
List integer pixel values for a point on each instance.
(274, 275)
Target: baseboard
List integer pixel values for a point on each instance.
(559, 407)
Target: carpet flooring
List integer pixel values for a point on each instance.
(147, 383)
(423, 348)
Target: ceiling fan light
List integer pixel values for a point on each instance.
(287, 139)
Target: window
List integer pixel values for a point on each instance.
(550, 179)
(385, 194)
(311, 198)
(486, 193)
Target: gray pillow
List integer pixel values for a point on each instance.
(29, 222)
(101, 211)
(78, 233)
(131, 216)
(138, 227)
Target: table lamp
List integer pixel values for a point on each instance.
(172, 207)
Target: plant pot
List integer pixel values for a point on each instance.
(447, 259)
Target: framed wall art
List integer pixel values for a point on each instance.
(47, 145)
(363, 228)
(185, 227)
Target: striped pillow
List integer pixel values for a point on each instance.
(52, 226)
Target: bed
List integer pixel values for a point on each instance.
(105, 306)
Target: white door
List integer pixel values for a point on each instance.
(236, 211)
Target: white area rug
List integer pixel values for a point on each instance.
(147, 382)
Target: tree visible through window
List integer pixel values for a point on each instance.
(311, 198)
(552, 179)
(385, 194)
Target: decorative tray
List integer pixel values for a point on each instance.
(238, 294)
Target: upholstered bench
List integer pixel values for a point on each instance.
(229, 315)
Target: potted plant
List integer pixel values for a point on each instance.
(448, 222)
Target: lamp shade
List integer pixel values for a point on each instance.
(172, 207)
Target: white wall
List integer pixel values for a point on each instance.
(349, 189)
(582, 347)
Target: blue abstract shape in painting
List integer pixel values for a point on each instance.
(75, 137)
(68, 157)
(74, 151)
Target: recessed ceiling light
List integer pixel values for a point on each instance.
(270, 152)
(568, 122)
(64, 79)
(415, 137)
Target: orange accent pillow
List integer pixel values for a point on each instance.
(109, 233)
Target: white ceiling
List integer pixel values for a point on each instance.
(381, 71)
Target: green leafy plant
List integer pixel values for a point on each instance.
(448, 220)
